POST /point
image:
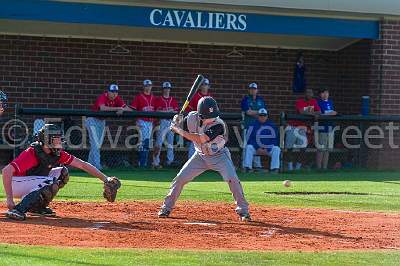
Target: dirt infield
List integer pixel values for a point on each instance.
(204, 226)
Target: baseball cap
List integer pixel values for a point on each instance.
(206, 82)
(113, 88)
(147, 82)
(253, 85)
(167, 85)
(263, 112)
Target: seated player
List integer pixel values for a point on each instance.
(209, 134)
(263, 139)
(296, 132)
(37, 174)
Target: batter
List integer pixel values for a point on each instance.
(208, 132)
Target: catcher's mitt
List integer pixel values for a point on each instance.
(111, 186)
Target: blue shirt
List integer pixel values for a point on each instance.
(326, 107)
(249, 104)
(263, 135)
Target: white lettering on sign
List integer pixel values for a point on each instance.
(155, 17)
(242, 22)
(198, 19)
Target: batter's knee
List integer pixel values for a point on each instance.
(180, 180)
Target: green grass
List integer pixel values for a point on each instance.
(361, 190)
(24, 255)
(372, 191)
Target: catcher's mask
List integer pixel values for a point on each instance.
(207, 108)
(52, 136)
(3, 100)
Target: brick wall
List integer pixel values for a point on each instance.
(70, 73)
(353, 67)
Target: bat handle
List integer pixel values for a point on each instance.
(185, 105)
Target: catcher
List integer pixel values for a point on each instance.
(209, 134)
(38, 173)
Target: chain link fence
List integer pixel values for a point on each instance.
(121, 142)
(356, 140)
(117, 137)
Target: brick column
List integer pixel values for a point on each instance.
(384, 88)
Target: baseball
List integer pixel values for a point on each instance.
(287, 183)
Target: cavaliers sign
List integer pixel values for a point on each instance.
(184, 19)
(198, 20)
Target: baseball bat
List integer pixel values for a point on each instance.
(196, 85)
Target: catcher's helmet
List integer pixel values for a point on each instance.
(46, 136)
(207, 108)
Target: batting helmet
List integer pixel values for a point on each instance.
(207, 108)
(46, 136)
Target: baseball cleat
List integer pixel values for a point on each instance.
(16, 215)
(245, 217)
(44, 212)
(163, 214)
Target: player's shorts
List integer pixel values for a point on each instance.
(295, 137)
(325, 140)
(220, 162)
(23, 185)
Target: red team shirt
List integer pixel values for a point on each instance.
(166, 104)
(195, 100)
(144, 103)
(103, 99)
(28, 160)
(301, 104)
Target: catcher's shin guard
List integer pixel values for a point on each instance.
(38, 200)
(43, 212)
(28, 201)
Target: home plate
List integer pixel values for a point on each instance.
(98, 225)
(268, 233)
(199, 223)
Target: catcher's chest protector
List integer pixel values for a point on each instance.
(195, 126)
(46, 162)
